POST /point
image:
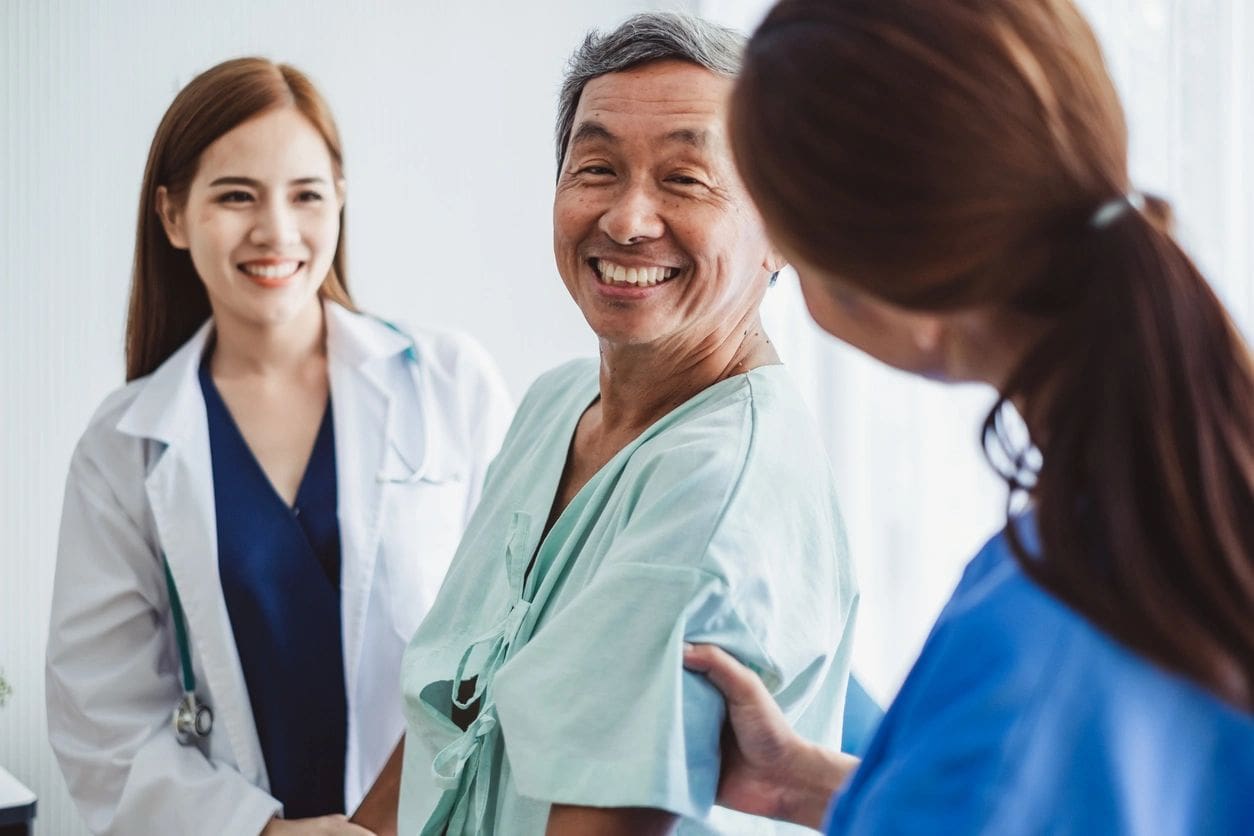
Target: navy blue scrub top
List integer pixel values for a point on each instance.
(280, 570)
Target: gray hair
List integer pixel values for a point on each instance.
(652, 36)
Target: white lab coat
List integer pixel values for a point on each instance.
(416, 424)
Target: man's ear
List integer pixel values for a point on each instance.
(775, 260)
(171, 219)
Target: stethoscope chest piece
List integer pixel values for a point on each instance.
(192, 720)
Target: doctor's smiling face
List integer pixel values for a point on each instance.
(261, 218)
(653, 232)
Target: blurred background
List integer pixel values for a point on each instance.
(446, 110)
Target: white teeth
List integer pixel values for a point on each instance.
(272, 271)
(609, 272)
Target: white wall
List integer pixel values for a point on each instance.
(446, 110)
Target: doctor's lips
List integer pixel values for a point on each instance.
(270, 272)
(612, 273)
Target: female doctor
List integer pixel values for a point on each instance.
(254, 525)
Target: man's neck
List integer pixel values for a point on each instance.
(641, 384)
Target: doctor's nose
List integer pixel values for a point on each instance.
(633, 217)
(275, 226)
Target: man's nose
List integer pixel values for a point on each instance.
(634, 216)
(276, 225)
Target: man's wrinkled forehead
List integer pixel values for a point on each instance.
(676, 102)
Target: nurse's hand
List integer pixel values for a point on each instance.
(321, 826)
(768, 769)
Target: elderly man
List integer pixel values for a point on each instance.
(673, 491)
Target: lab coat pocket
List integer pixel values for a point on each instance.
(422, 527)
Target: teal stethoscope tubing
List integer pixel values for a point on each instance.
(193, 720)
(180, 631)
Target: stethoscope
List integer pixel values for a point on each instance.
(193, 720)
(414, 474)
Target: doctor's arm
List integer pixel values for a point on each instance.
(112, 670)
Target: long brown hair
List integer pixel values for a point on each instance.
(168, 301)
(945, 155)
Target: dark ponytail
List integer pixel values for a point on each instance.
(1143, 392)
(952, 155)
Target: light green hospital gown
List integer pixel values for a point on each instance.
(718, 524)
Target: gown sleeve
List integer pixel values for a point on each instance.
(597, 709)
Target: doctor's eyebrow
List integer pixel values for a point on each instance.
(257, 184)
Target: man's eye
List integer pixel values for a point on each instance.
(683, 180)
(234, 197)
(596, 170)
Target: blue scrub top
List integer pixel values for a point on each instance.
(280, 570)
(1021, 717)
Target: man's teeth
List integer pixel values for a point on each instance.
(271, 271)
(611, 273)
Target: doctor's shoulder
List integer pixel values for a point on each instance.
(460, 389)
(104, 444)
(455, 361)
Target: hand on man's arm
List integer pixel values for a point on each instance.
(768, 769)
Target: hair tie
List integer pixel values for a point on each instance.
(1114, 209)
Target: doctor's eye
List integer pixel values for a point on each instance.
(309, 196)
(236, 196)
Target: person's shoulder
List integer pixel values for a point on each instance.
(1142, 739)
(751, 429)
(103, 424)
(786, 436)
(104, 450)
(576, 380)
(997, 608)
(447, 354)
(1038, 637)
(583, 370)
(748, 464)
(1032, 708)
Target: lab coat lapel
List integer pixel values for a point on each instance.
(362, 361)
(171, 411)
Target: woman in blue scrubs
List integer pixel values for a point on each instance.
(950, 181)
